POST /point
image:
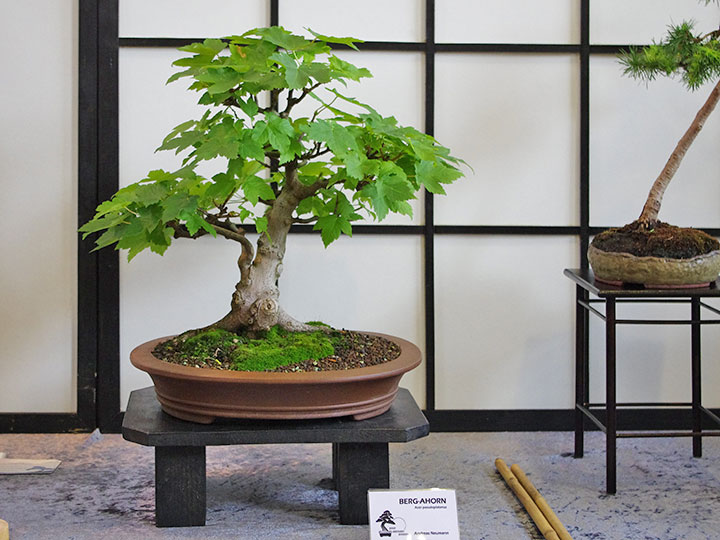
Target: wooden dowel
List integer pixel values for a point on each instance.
(541, 503)
(537, 516)
(4, 530)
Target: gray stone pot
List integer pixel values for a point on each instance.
(654, 272)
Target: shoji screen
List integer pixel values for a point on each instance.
(559, 145)
(38, 222)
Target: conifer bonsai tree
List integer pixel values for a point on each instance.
(695, 58)
(328, 166)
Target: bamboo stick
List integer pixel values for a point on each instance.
(541, 503)
(537, 516)
(4, 530)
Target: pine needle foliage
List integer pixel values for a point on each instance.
(694, 57)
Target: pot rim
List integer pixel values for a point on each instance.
(624, 254)
(410, 357)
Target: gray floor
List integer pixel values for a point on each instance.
(104, 488)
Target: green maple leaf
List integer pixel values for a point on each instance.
(256, 188)
(390, 187)
(331, 227)
(432, 174)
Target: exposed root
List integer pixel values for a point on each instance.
(646, 225)
(291, 324)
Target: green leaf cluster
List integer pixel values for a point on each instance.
(345, 158)
(694, 57)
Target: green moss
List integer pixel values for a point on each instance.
(266, 350)
(279, 348)
(211, 344)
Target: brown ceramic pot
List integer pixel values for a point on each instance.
(202, 395)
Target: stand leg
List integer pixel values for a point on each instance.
(179, 486)
(360, 466)
(581, 368)
(335, 465)
(696, 377)
(610, 391)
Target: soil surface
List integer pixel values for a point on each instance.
(661, 240)
(354, 350)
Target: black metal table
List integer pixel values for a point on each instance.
(610, 295)
(359, 452)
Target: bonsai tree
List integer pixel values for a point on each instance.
(327, 166)
(386, 518)
(695, 58)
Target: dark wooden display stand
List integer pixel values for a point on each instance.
(359, 452)
(608, 296)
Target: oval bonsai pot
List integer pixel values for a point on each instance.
(202, 395)
(654, 272)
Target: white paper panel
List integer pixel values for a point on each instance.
(633, 130)
(38, 274)
(372, 283)
(514, 119)
(188, 287)
(149, 110)
(369, 283)
(620, 22)
(396, 89)
(369, 20)
(38, 223)
(500, 21)
(504, 322)
(653, 362)
(710, 363)
(190, 18)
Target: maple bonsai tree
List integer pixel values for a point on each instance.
(695, 58)
(328, 166)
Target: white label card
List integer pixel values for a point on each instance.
(413, 514)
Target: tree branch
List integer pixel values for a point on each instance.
(714, 34)
(292, 101)
(316, 151)
(312, 219)
(182, 232)
(247, 253)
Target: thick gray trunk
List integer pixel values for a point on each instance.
(255, 303)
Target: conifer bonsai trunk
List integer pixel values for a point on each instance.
(649, 215)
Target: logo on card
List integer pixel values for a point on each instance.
(390, 524)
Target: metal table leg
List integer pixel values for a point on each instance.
(610, 391)
(581, 368)
(696, 377)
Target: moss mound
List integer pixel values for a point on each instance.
(221, 349)
(663, 240)
(279, 347)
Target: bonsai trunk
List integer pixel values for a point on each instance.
(255, 303)
(649, 216)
